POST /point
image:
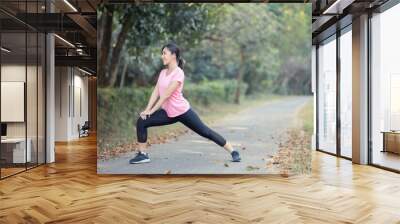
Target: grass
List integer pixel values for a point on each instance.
(300, 140)
(294, 153)
(306, 116)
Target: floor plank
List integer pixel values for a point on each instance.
(70, 191)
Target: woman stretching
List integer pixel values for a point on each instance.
(167, 106)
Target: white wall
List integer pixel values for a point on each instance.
(33, 126)
(12, 73)
(80, 100)
(61, 103)
(71, 93)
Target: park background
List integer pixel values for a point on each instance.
(237, 55)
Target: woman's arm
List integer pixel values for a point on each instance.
(170, 89)
(153, 98)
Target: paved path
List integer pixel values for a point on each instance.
(251, 128)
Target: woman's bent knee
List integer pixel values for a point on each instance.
(140, 123)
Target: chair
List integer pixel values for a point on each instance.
(84, 130)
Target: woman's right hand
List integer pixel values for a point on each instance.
(144, 114)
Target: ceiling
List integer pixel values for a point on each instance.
(74, 22)
(331, 15)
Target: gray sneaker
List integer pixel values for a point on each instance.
(235, 156)
(140, 158)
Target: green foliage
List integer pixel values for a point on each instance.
(152, 26)
(208, 92)
(117, 113)
(267, 46)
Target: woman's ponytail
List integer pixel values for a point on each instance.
(181, 62)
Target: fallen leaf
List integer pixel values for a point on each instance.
(284, 175)
(250, 168)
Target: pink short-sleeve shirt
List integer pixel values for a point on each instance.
(176, 104)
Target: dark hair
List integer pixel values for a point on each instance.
(174, 49)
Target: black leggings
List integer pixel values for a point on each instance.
(190, 119)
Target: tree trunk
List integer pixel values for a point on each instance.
(239, 76)
(105, 45)
(116, 54)
(121, 84)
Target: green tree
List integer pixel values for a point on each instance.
(144, 28)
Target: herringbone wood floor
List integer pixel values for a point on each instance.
(70, 191)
